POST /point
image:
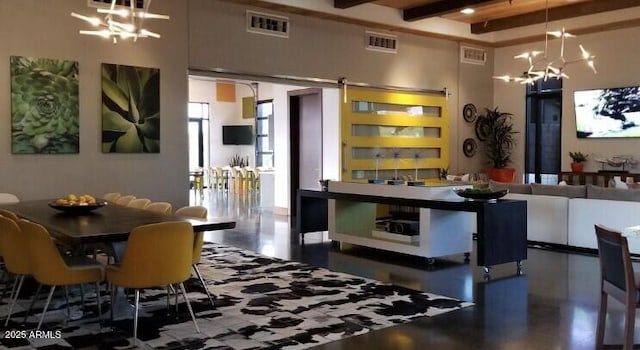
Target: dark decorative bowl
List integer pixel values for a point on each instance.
(480, 195)
(77, 209)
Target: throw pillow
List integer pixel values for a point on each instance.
(513, 188)
(615, 194)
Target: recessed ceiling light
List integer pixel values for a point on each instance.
(467, 11)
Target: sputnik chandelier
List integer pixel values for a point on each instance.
(542, 66)
(129, 28)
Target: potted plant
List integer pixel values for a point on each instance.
(578, 161)
(495, 130)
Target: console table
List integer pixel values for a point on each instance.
(445, 219)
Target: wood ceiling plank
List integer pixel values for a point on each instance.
(557, 13)
(441, 8)
(343, 4)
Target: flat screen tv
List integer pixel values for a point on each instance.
(237, 135)
(608, 113)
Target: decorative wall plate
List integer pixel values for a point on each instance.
(481, 132)
(469, 147)
(469, 112)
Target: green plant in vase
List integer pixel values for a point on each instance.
(578, 159)
(416, 182)
(396, 159)
(378, 156)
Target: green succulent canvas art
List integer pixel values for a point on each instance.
(44, 106)
(130, 109)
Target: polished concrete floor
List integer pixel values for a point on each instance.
(551, 305)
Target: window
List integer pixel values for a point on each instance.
(198, 135)
(264, 134)
(543, 131)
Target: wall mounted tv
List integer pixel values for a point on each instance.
(608, 113)
(237, 135)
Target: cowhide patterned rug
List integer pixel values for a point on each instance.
(262, 303)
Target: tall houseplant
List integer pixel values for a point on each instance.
(497, 133)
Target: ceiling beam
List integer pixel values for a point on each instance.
(343, 4)
(556, 13)
(441, 8)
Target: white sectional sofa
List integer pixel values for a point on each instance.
(566, 215)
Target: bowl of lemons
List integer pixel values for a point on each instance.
(480, 193)
(76, 204)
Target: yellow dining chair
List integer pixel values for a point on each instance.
(9, 214)
(16, 257)
(198, 241)
(155, 255)
(124, 200)
(50, 268)
(111, 196)
(160, 207)
(139, 203)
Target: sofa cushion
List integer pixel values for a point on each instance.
(616, 194)
(569, 191)
(513, 188)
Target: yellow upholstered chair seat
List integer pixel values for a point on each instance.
(155, 255)
(111, 196)
(198, 241)
(50, 268)
(9, 214)
(15, 255)
(160, 207)
(125, 200)
(139, 203)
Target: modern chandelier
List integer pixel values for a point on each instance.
(542, 65)
(121, 22)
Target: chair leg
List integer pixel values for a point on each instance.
(193, 316)
(602, 315)
(14, 298)
(113, 298)
(135, 318)
(98, 300)
(46, 305)
(629, 326)
(33, 302)
(195, 268)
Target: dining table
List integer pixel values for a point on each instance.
(109, 223)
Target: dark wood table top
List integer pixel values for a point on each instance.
(109, 223)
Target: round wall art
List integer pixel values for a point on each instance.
(469, 112)
(481, 129)
(469, 147)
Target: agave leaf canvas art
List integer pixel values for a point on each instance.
(44, 106)
(130, 109)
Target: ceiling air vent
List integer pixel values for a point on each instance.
(268, 24)
(381, 42)
(139, 4)
(472, 55)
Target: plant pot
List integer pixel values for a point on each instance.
(502, 174)
(577, 167)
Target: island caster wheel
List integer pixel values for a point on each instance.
(487, 270)
(431, 261)
(466, 257)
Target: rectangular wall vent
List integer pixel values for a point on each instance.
(472, 55)
(381, 42)
(268, 24)
(139, 4)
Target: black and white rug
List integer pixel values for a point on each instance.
(262, 303)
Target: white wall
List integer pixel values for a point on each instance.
(44, 29)
(616, 60)
(327, 49)
(202, 89)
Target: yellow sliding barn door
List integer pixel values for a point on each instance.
(395, 133)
